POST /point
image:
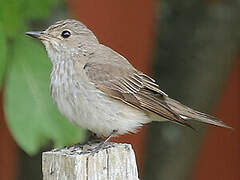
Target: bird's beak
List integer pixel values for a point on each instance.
(38, 34)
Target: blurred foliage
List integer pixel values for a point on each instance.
(31, 115)
(3, 53)
(197, 44)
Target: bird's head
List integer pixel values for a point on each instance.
(66, 38)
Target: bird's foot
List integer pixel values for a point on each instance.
(102, 145)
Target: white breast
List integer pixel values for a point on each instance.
(90, 108)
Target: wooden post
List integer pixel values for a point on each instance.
(115, 162)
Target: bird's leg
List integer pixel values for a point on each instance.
(109, 137)
(102, 144)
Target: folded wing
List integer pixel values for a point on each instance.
(132, 87)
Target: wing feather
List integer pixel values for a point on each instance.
(132, 87)
(115, 76)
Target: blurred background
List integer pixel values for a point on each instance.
(190, 47)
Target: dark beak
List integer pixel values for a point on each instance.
(38, 34)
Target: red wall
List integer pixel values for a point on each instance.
(8, 149)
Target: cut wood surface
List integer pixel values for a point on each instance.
(114, 162)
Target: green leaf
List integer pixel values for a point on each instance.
(11, 16)
(38, 9)
(14, 13)
(3, 54)
(32, 117)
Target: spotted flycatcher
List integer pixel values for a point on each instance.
(98, 89)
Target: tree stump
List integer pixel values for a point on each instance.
(113, 162)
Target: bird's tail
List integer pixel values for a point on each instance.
(188, 113)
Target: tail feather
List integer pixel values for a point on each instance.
(188, 113)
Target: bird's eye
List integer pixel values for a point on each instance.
(66, 34)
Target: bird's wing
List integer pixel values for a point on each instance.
(189, 113)
(125, 83)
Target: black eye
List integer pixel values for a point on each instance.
(65, 34)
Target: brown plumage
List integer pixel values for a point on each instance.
(137, 89)
(98, 89)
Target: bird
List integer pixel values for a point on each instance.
(98, 89)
